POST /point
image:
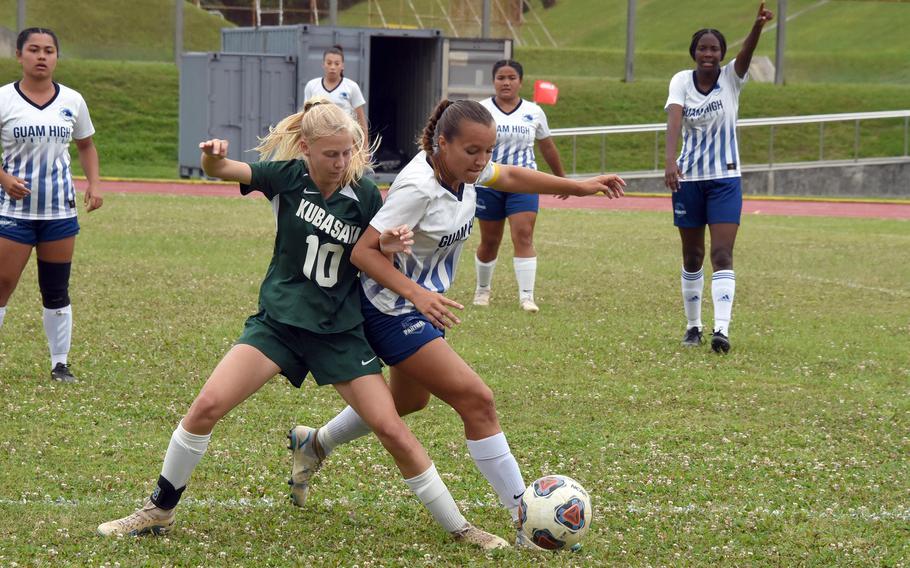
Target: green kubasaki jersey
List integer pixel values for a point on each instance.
(311, 282)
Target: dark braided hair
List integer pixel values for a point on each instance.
(446, 118)
(334, 50)
(27, 33)
(703, 32)
(509, 63)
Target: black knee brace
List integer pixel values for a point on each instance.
(54, 282)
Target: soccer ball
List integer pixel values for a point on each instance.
(555, 512)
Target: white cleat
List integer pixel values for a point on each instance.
(150, 519)
(481, 539)
(306, 461)
(482, 297)
(528, 305)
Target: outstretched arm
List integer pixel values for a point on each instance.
(216, 164)
(515, 179)
(744, 57)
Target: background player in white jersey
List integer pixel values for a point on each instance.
(309, 319)
(337, 88)
(705, 178)
(38, 120)
(519, 123)
(404, 307)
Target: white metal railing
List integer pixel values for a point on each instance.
(659, 128)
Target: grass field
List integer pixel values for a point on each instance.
(791, 450)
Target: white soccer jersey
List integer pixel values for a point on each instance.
(516, 132)
(346, 94)
(709, 148)
(441, 221)
(35, 142)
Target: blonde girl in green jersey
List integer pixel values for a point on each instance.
(309, 318)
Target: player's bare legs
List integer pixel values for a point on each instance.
(521, 226)
(15, 256)
(485, 263)
(723, 282)
(693, 253)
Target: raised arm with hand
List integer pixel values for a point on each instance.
(215, 162)
(744, 57)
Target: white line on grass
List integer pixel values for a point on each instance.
(901, 514)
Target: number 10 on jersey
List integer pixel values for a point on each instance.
(322, 261)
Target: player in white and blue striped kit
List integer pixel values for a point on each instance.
(38, 120)
(404, 306)
(705, 177)
(519, 125)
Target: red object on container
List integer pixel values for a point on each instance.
(545, 93)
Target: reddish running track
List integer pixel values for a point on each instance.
(628, 203)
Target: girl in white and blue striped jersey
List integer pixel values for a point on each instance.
(337, 88)
(404, 307)
(705, 177)
(519, 124)
(38, 119)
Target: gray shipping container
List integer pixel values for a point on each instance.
(234, 97)
(402, 73)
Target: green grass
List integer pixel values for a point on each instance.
(133, 107)
(662, 25)
(594, 102)
(119, 29)
(791, 450)
(137, 125)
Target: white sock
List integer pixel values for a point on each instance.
(495, 461)
(2, 315)
(723, 289)
(58, 327)
(526, 274)
(345, 427)
(693, 285)
(484, 273)
(183, 454)
(435, 496)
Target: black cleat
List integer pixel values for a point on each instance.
(720, 343)
(693, 337)
(61, 372)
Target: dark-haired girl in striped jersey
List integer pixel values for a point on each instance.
(705, 177)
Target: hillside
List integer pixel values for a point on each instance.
(823, 36)
(119, 29)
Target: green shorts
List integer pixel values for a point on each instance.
(331, 357)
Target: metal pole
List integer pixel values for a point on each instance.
(630, 42)
(821, 141)
(485, 19)
(574, 153)
(178, 31)
(906, 134)
(856, 141)
(771, 147)
(333, 12)
(20, 16)
(781, 40)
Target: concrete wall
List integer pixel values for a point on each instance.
(842, 180)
